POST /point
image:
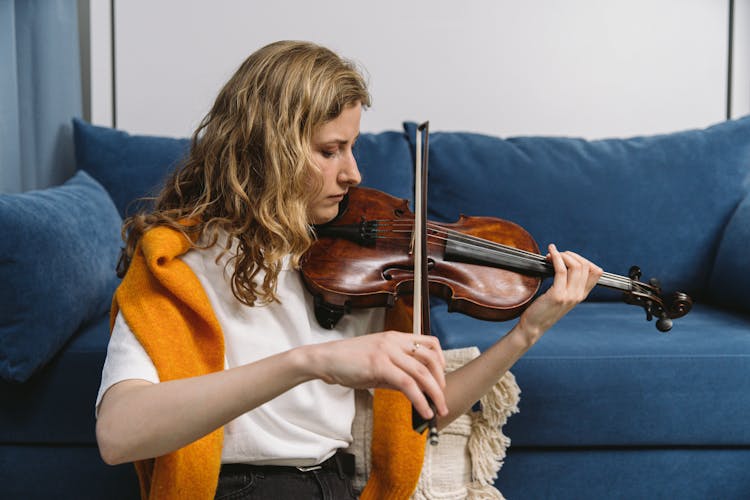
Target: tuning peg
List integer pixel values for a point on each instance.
(664, 324)
(634, 273)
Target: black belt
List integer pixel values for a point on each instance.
(341, 463)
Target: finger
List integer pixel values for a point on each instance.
(431, 358)
(402, 381)
(429, 381)
(583, 274)
(561, 271)
(577, 271)
(587, 266)
(431, 344)
(593, 273)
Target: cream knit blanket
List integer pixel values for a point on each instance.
(465, 463)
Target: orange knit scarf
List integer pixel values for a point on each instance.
(165, 306)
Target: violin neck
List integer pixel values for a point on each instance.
(493, 254)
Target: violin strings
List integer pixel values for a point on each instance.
(516, 255)
(523, 256)
(607, 278)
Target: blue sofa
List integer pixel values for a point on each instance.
(610, 407)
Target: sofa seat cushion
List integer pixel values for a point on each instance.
(56, 406)
(603, 376)
(63, 472)
(626, 474)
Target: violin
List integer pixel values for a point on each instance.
(485, 267)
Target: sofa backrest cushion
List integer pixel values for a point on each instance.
(659, 202)
(730, 276)
(385, 162)
(132, 166)
(129, 166)
(58, 254)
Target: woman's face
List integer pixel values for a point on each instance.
(332, 146)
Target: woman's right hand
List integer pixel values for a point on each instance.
(394, 360)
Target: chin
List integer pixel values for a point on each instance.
(324, 216)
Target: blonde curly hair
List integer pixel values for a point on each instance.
(250, 165)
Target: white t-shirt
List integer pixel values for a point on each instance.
(303, 426)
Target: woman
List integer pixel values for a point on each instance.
(215, 357)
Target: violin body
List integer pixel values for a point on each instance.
(363, 259)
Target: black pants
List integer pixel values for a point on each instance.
(331, 480)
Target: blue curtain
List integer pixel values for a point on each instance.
(40, 92)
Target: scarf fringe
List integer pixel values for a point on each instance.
(485, 444)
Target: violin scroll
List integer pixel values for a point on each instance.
(649, 296)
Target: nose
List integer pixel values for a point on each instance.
(349, 173)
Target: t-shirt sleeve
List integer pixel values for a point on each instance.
(126, 360)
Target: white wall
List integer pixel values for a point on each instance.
(557, 67)
(741, 57)
(100, 67)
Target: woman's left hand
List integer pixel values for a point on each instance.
(574, 278)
